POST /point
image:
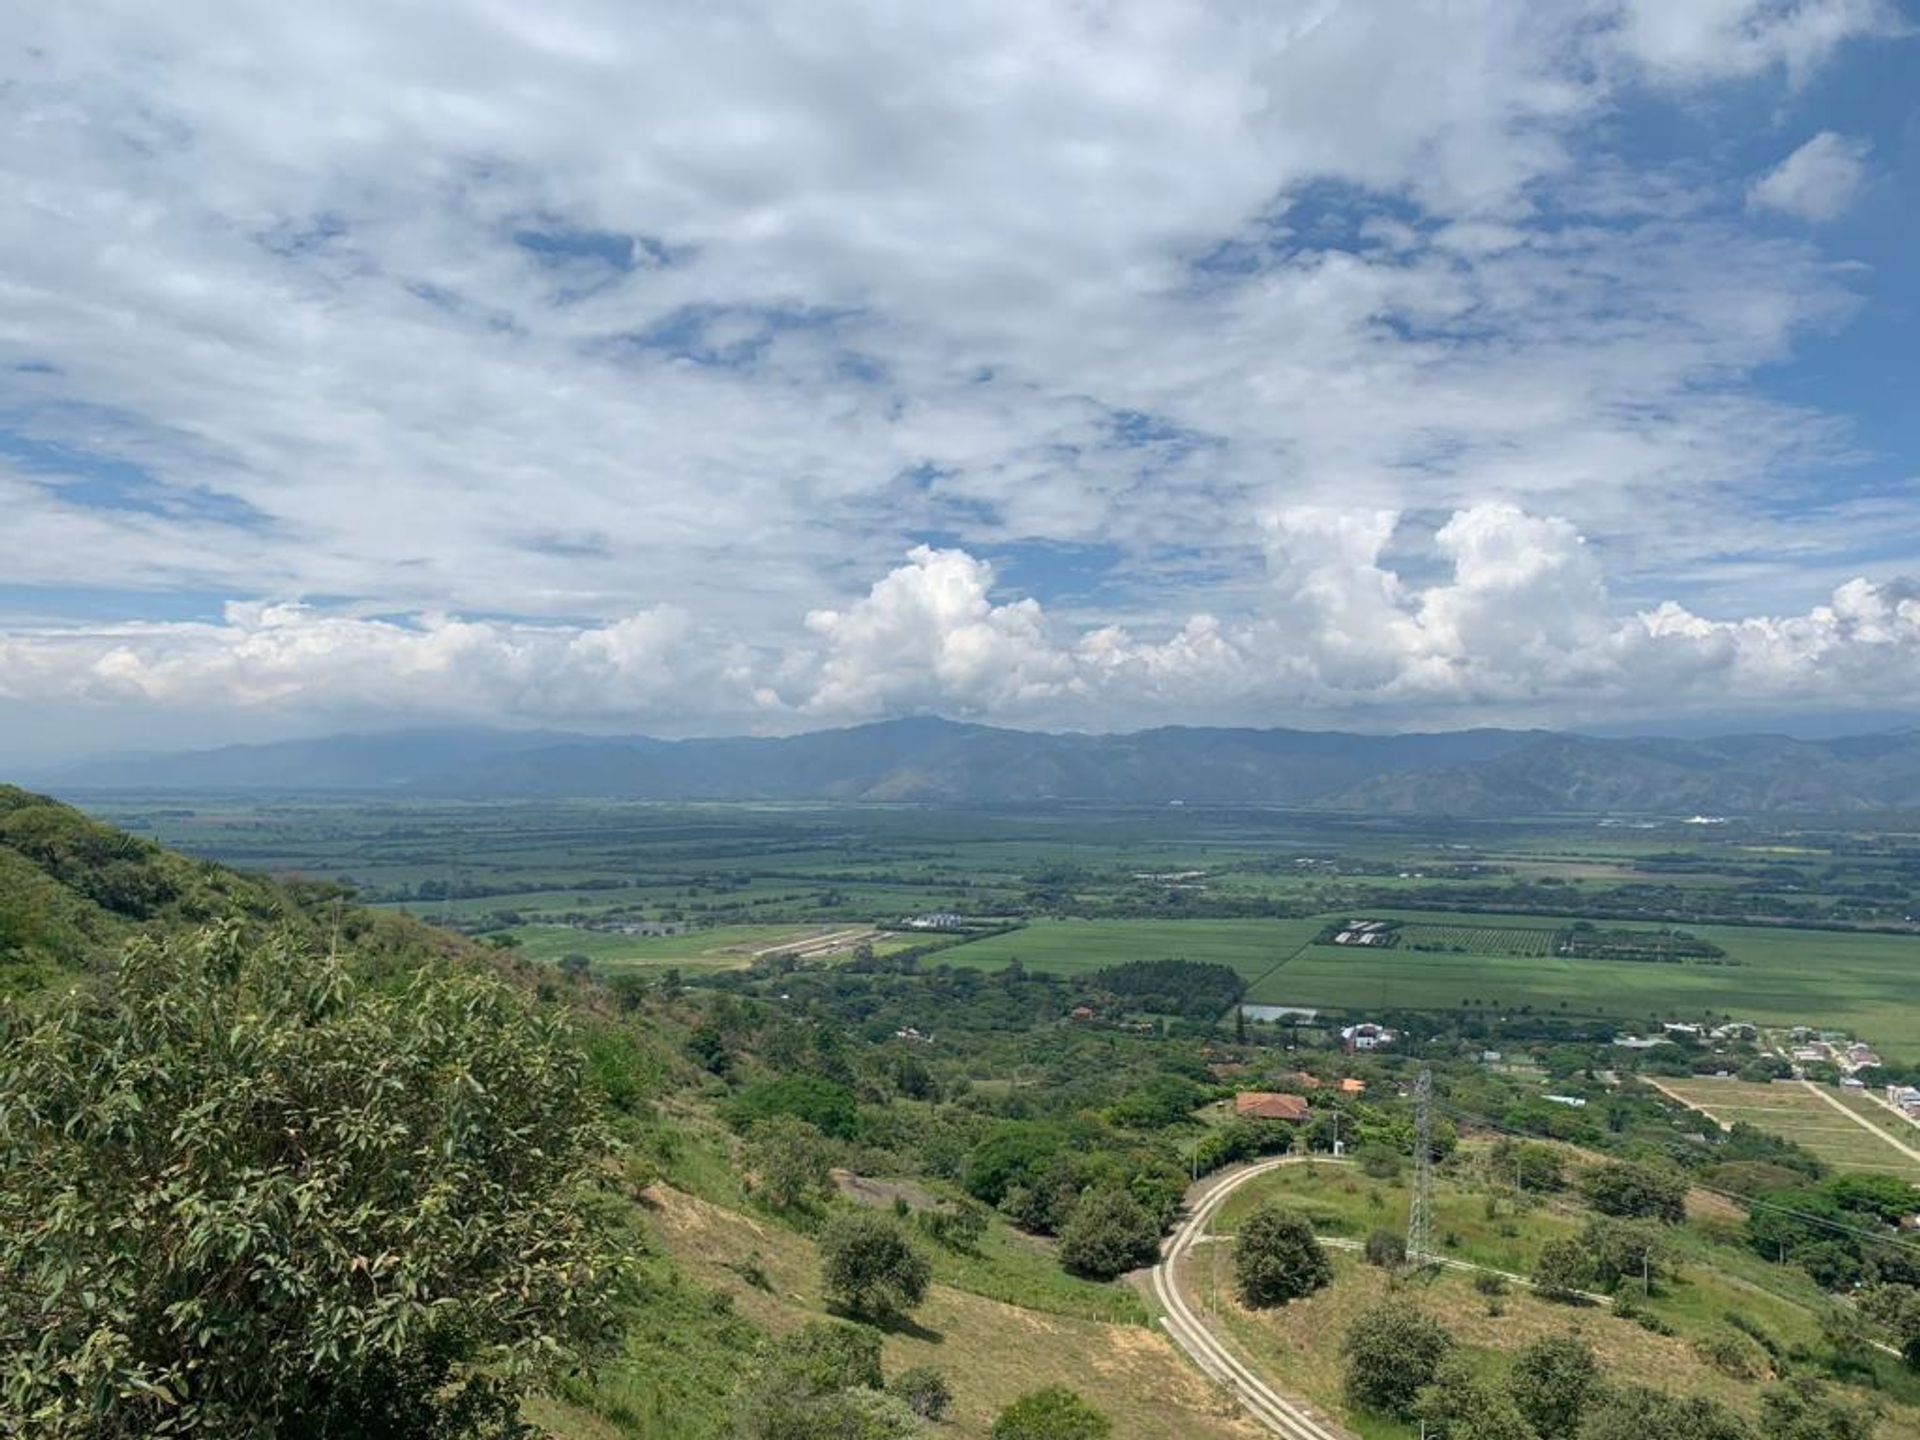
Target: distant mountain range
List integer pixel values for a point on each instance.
(1464, 772)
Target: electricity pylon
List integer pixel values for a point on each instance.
(1420, 1220)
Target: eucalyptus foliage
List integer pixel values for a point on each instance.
(238, 1196)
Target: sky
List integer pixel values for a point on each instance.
(756, 368)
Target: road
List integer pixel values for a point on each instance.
(1283, 1416)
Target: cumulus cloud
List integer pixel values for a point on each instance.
(619, 346)
(1519, 619)
(1816, 182)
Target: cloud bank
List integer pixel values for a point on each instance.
(590, 361)
(1520, 620)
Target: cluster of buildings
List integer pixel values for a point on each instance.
(1827, 1049)
(1905, 1099)
(1365, 932)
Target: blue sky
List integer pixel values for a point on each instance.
(690, 370)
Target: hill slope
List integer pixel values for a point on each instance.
(1468, 772)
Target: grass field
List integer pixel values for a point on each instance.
(1865, 982)
(1790, 1110)
(1248, 947)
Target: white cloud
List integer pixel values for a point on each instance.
(1520, 621)
(1816, 182)
(603, 310)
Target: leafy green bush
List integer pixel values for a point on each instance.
(1108, 1234)
(869, 1266)
(1277, 1258)
(1055, 1413)
(236, 1194)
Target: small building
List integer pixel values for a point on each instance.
(1352, 1086)
(1302, 1080)
(944, 920)
(1081, 1012)
(1574, 1101)
(1228, 1069)
(1270, 1105)
(1368, 1036)
(1852, 1082)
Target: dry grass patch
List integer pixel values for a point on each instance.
(991, 1352)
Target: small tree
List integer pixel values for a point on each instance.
(790, 1161)
(1635, 1192)
(924, 1391)
(1465, 1406)
(1537, 1167)
(1633, 1412)
(1562, 1271)
(1896, 1308)
(1622, 1251)
(1552, 1382)
(1800, 1408)
(1055, 1413)
(1391, 1351)
(1108, 1233)
(1277, 1258)
(822, 1383)
(871, 1268)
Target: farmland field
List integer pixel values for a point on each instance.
(1869, 983)
(1479, 939)
(1248, 947)
(1790, 1110)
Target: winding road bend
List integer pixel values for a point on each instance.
(1290, 1418)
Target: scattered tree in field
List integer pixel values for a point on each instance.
(924, 1391)
(1623, 1251)
(1108, 1233)
(238, 1195)
(1562, 1270)
(790, 1161)
(1055, 1413)
(1896, 1309)
(1635, 1192)
(1276, 1258)
(1552, 1381)
(822, 1383)
(1800, 1408)
(1537, 1167)
(1463, 1405)
(871, 1268)
(1633, 1412)
(1390, 1352)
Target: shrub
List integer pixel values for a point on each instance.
(924, 1391)
(828, 1107)
(1562, 1270)
(1386, 1248)
(1552, 1381)
(1390, 1352)
(790, 1161)
(1055, 1413)
(1108, 1234)
(869, 1267)
(1276, 1258)
(1635, 1192)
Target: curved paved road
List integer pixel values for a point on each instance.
(1278, 1413)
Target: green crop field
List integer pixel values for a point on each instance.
(1865, 982)
(1249, 947)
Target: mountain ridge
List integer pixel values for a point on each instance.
(926, 759)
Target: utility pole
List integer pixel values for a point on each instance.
(1420, 1220)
